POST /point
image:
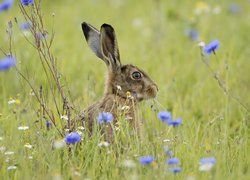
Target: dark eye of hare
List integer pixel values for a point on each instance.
(136, 75)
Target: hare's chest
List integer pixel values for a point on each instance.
(119, 107)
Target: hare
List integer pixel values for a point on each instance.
(126, 85)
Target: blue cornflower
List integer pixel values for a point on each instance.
(208, 160)
(168, 151)
(206, 164)
(211, 47)
(173, 161)
(175, 169)
(7, 62)
(72, 138)
(48, 124)
(6, 5)
(26, 2)
(234, 8)
(193, 34)
(105, 117)
(174, 122)
(25, 26)
(164, 116)
(40, 36)
(146, 160)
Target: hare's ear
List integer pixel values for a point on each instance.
(92, 36)
(109, 46)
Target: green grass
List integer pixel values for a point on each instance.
(151, 36)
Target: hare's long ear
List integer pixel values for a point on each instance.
(109, 47)
(92, 36)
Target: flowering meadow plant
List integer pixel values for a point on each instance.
(175, 169)
(175, 122)
(146, 160)
(173, 161)
(6, 5)
(25, 26)
(26, 2)
(48, 124)
(212, 47)
(6, 63)
(72, 138)
(105, 117)
(166, 117)
(206, 164)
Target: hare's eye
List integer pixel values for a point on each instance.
(136, 75)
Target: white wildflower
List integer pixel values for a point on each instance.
(201, 44)
(65, 117)
(76, 173)
(119, 88)
(27, 145)
(30, 157)
(12, 101)
(59, 144)
(9, 153)
(103, 143)
(128, 163)
(66, 130)
(216, 10)
(128, 118)
(23, 128)
(125, 108)
(11, 168)
(81, 128)
(117, 128)
(206, 167)
(166, 140)
(32, 93)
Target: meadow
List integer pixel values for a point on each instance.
(209, 92)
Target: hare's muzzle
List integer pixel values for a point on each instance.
(154, 91)
(151, 91)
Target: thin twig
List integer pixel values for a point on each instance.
(38, 99)
(222, 84)
(47, 59)
(3, 51)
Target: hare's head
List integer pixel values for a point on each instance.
(121, 78)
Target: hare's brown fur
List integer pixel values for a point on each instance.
(126, 85)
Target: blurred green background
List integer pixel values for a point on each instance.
(151, 34)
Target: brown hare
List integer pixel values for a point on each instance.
(126, 85)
